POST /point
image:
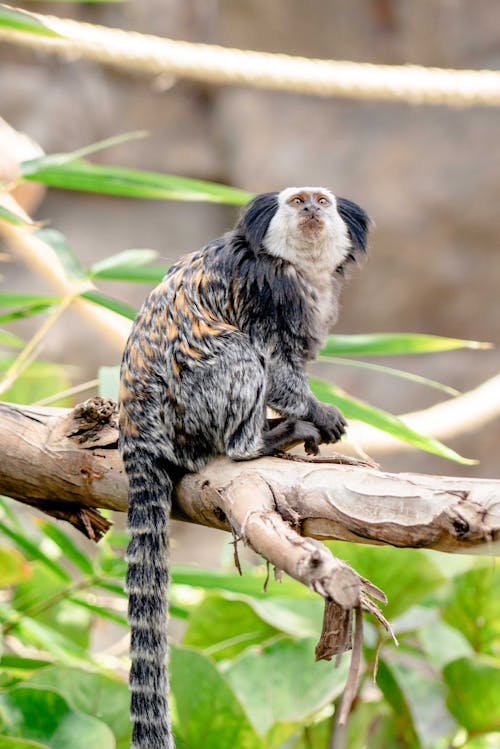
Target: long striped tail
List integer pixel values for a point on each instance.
(150, 499)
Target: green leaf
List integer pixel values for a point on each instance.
(70, 550)
(33, 551)
(474, 693)
(407, 576)
(59, 159)
(299, 617)
(225, 627)
(39, 380)
(8, 299)
(473, 607)
(22, 312)
(45, 638)
(23, 21)
(13, 567)
(418, 700)
(418, 379)
(69, 261)
(210, 715)
(44, 716)
(443, 643)
(352, 408)
(281, 682)
(46, 599)
(7, 742)
(109, 382)
(250, 583)
(487, 741)
(9, 339)
(127, 259)
(103, 611)
(131, 183)
(389, 344)
(10, 216)
(90, 693)
(108, 302)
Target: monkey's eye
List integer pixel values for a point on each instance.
(297, 200)
(323, 201)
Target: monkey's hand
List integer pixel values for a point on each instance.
(328, 420)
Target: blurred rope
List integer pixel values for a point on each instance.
(209, 63)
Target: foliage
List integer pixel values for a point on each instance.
(243, 673)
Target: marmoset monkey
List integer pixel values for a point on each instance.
(227, 333)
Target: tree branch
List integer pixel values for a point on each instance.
(68, 459)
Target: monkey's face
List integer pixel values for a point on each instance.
(308, 227)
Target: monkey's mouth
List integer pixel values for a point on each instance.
(311, 224)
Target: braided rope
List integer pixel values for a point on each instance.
(204, 62)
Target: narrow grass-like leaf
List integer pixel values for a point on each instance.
(9, 339)
(69, 261)
(57, 159)
(104, 611)
(19, 20)
(389, 344)
(391, 371)
(13, 299)
(33, 551)
(131, 183)
(68, 548)
(353, 408)
(97, 297)
(21, 312)
(11, 217)
(129, 265)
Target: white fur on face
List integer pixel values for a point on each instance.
(321, 249)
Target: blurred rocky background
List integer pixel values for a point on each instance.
(429, 176)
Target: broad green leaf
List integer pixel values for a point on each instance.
(414, 692)
(407, 576)
(224, 628)
(68, 547)
(44, 716)
(10, 216)
(473, 607)
(371, 726)
(352, 408)
(33, 552)
(299, 617)
(402, 374)
(97, 297)
(443, 643)
(109, 382)
(91, 693)
(13, 567)
(14, 668)
(281, 682)
(474, 693)
(39, 380)
(132, 183)
(389, 344)
(210, 715)
(19, 20)
(69, 261)
(9, 339)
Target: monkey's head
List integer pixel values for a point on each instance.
(306, 224)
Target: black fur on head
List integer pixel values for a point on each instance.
(256, 218)
(357, 222)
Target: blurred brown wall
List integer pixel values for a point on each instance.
(429, 176)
